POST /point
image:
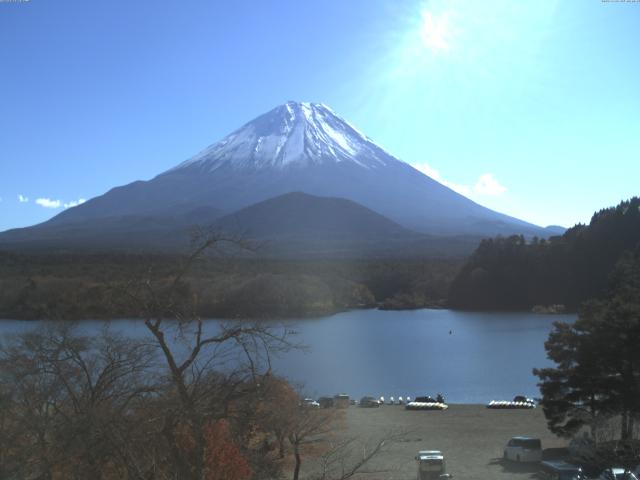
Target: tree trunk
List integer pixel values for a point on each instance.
(281, 447)
(624, 426)
(296, 471)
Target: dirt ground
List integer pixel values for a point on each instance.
(471, 438)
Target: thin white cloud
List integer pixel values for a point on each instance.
(487, 184)
(48, 203)
(22, 198)
(429, 171)
(74, 203)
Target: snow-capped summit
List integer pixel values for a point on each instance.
(296, 147)
(296, 133)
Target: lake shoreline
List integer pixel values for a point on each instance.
(299, 315)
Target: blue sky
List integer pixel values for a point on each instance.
(530, 108)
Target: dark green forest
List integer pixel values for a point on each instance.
(504, 273)
(65, 286)
(513, 273)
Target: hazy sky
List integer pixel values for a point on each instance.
(530, 108)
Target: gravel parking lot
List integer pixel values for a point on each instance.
(471, 437)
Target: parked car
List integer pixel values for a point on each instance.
(341, 400)
(617, 473)
(369, 402)
(523, 449)
(326, 402)
(431, 465)
(310, 402)
(560, 470)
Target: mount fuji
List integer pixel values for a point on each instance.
(296, 147)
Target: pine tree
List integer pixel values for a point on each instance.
(597, 373)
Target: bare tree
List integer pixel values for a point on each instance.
(211, 366)
(309, 426)
(71, 403)
(344, 457)
(192, 400)
(350, 457)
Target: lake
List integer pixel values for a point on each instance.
(470, 357)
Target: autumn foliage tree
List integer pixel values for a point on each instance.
(223, 458)
(274, 412)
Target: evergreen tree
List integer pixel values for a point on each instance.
(597, 373)
(511, 273)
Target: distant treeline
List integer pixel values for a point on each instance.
(512, 273)
(91, 286)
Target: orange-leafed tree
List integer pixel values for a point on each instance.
(276, 411)
(223, 458)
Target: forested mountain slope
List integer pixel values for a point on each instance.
(512, 273)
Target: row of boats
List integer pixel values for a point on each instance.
(429, 403)
(518, 402)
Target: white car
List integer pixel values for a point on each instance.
(431, 465)
(523, 449)
(617, 474)
(310, 402)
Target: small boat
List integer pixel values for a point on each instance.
(425, 403)
(426, 406)
(518, 402)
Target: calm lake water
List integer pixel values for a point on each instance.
(470, 357)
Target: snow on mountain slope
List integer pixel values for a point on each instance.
(300, 147)
(291, 134)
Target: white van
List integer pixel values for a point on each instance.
(523, 449)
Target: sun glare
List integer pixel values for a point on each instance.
(435, 32)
